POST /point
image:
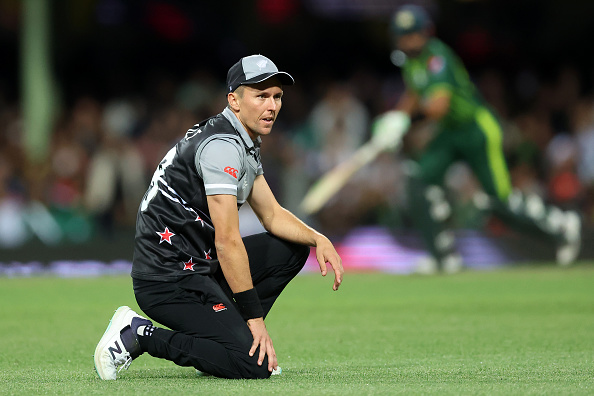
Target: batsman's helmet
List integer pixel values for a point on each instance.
(409, 19)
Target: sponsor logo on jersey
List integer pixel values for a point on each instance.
(436, 64)
(231, 171)
(219, 307)
(207, 255)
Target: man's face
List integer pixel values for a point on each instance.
(258, 105)
(412, 44)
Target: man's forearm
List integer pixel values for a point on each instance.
(234, 262)
(287, 226)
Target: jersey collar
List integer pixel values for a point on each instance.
(228, 114)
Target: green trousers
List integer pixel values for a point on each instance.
(478, 144)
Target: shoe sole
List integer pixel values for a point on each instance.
(117, 322)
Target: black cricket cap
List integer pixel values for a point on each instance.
(254, 69)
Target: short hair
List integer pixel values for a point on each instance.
(240, 90)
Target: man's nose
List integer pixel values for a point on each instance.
(272, 104)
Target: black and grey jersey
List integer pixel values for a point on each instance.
(174, 231)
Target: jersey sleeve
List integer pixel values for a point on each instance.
(219, 164)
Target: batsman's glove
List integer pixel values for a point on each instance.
(388, 130)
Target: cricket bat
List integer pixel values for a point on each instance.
(329, 184)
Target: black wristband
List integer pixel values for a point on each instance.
(249, 304)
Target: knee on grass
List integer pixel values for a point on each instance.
(250, 369)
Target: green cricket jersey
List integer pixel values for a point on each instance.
(438, 68)
(469, 130)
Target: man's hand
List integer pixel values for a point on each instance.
(325, 253)
(263, 340)
(389, 128)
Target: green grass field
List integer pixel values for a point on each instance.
(527, 330)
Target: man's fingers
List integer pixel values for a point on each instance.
(254, 347)
(336, 264)
(338, 272)
(272, 362)
(263, 341)
(337, 283)
(337, 278)
(262, 353)
(322, 263)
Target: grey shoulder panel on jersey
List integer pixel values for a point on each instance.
(234, 139)
(218, 161)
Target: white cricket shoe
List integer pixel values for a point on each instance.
(202, 373)
(277, 371)
(119, 344)
(568, 250)
(426, 265)
(452, 264)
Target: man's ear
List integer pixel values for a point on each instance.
(232, 99)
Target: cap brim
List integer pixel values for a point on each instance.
(285, 78)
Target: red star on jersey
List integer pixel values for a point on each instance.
(198, 218)
(189, 265)
(165, 236)
(207, 255)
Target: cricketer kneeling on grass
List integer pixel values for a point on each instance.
(192, 271)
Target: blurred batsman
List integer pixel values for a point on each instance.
(438, 88)
(192, 271)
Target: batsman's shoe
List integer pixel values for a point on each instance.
(569, 248)
(119, 344)
(452, 264)
(426, 265)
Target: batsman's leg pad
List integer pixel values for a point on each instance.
(528, 213)
(430, 211)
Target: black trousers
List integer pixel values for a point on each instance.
(207, 330)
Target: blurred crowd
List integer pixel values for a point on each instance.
(103, 152)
